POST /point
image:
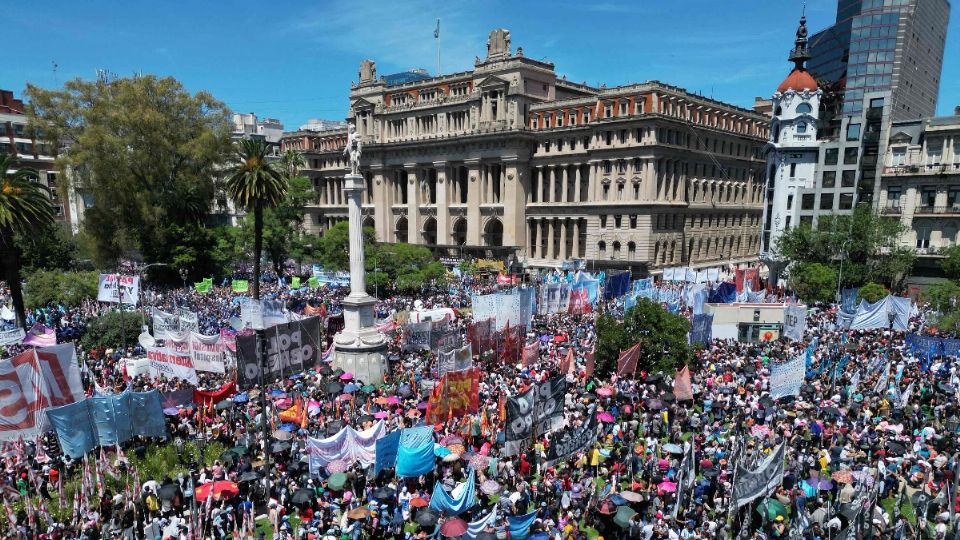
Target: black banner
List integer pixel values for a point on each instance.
(417, 336)
(537, 410)
(443, 336)
(292, 347)
(573, 440)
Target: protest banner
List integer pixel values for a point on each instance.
(534, 412)
(292, 347)
(189, 321)
(12, 336)
(574, 439)
(165, 325)
(454, 360)
(111, 287)
(456, 395)
(207, 352)
(34, 381)
(240, 285)
(168, 363)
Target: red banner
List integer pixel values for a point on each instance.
(212, 397)
(531, 353)
(457, 394)
(480, 336)
(682, 389)
(579, 301)
(627, 363)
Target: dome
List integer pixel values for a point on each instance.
(798, 80)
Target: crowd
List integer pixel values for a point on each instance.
(869, 445)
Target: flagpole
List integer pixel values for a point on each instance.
(436, 34)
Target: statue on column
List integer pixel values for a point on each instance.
(354, 146)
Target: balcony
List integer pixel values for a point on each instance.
(891, 210)
(874, 113)
(871, 138)
(493, 125)
(937, 210)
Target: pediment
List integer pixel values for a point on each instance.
(361, 103)
(492, 81)
(900, 136)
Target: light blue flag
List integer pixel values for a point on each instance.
(520, 525)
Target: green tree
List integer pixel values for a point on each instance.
(943, 297)
(333, 248)
(814, 282)
(950, 264)
(283, 235)
(871, 292)
(24, 207)
(662, 337)
(47, 246)
(109, 330)
(56, 287)
(866, 242)
(145, 149)
(255, 185)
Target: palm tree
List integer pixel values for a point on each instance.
(24, 206)
(255, 184)
(292, 161)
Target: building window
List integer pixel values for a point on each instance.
(789, 205)
(608, 137)
(898, 156)
(607, 110)
(848, 178)
(850, 156)
(806, 201)
(801, 127)
(617, 219)
(853, 132)
(803, 108)
(829, 179)
(893, 196)
(637, 165)
(793, 170)
(928, 196)
(602, 248)
(953, 196)
(631, 251)
(934, 152)
(606, 192)
(633, 222)
(603, 221)
(616, 250)
(876, 103)
(923, 238)
(826, 201)
(607, 167)
(621, 166)
(830, 156)
(846, 201)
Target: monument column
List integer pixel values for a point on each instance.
(412, 186)
(473, 201)
(359, 348)
(443, 203)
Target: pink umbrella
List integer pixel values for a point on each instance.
(283, 403)
(667, 487)
(381, 415)
(605, 417)
(393, 400)
(314, 408)
(345, 397)
(346, 376)
(605, 391)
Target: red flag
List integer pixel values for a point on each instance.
(682, 389)
(591, 360)
(530, 353)
(627, 363)
(566, 365)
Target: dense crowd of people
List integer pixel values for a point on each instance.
(870, 443)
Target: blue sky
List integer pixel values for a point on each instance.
(295, 60)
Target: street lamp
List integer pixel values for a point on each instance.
(843, 254)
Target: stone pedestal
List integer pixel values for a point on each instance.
(359, 348)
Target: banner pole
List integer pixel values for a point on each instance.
(262, 357)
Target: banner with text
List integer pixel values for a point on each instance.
(112, 287)
(292, 347)
(168, 363)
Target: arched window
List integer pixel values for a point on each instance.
(778, 111)
(602, 248)
(776, 132)
(616, 250)
(801, 127)
(803, 108)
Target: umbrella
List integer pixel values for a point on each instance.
(831, 411)
(478, 461)
(382, 400)
(427, 517)
(404, 390)
(654, 379)
(346, 376)
(279, 447)
(302, 496)
(451, 457)
(368, 388)
(336, 481)
(282, 435)
(227, 455)
(239, 450)
(345, 397)
(418, 502)
(667, 487)
(457, 448)
(218, 489)
(844, 477)
(624, 515)
(896, 448)
(393, 400)
(333, 387)
(453, 527)
(616, 499)
(359, 513)
(490, 487)
(773, 509)
(451, 439)
(423, 405)
(249, 476)
(240, 398)
(605, 417)
(605, 391)
(350, 388)
(365, 418)
(653, 403)
(325, 370)
(632, 496)
(384, 494)
(607, 508)
(820, 483)
(671, 448)
(171, 411)
(223, 405)
(381, 415)
(487, 536)
(668, 397)
(337, 466)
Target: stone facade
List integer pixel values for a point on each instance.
(508, 159)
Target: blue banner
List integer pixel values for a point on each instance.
(415, 453)
(387, 448)
(107, 421)
(848, 300)
(443, 502)
(701, 329)
(520, 525)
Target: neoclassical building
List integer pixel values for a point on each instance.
(508, 159)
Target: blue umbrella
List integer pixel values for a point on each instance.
(351, 388)
(616, 499)
(241, 398)
(288, 427)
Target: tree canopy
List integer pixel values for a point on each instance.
(662, 337)
(813, 282)
(866, 242)
(144, 149)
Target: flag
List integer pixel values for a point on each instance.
(240, 285)
(682, 389)
(905, 398)
(313, 282)
(567, 363)
(436, 33)
(627, 363)
(882, 382)
(591, 360)
(202, 287)
(295, 282)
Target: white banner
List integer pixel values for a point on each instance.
(114, 286)
(794, 321)
(251, 314)
(787, 378)
(11, 337)
(169, 364)
(207, 352)
(165, 325)
(33, 381)
(189, 322)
